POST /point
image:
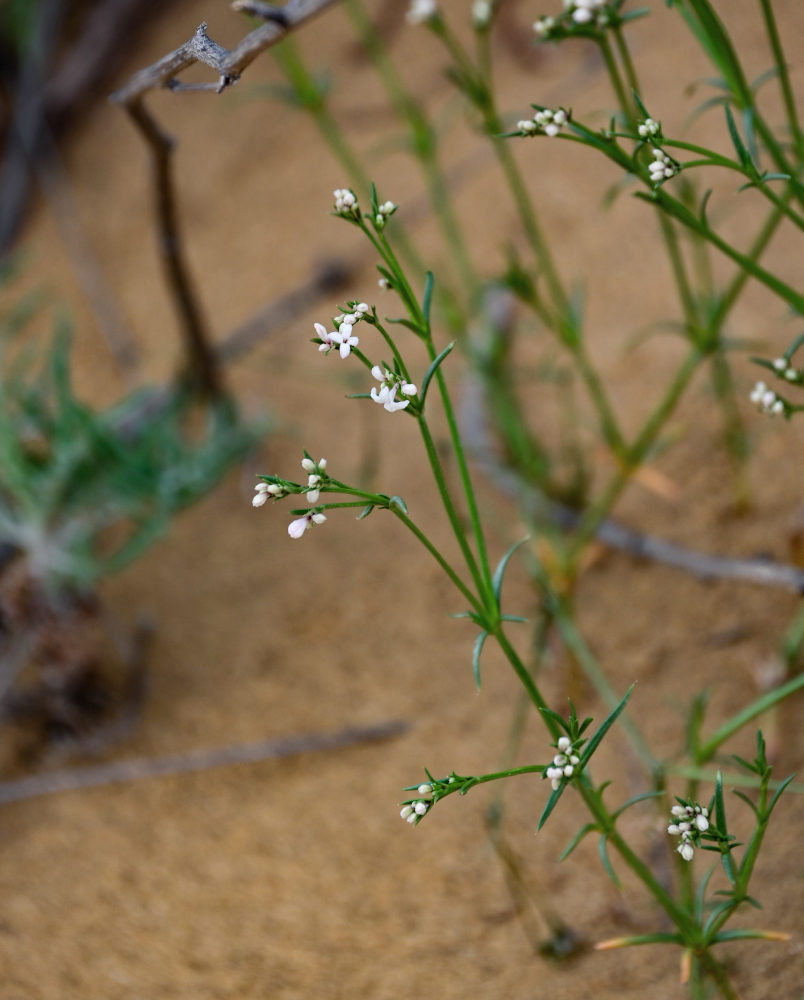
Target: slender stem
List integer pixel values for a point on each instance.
(424, 145)
(449, 507)
(442, 562)
(626, 103)
(466, 482)
(677, 914)
(718, 974)
(526, 679)
(635, 455)
(731, 726)
(784, 78)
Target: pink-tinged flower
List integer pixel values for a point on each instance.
(298, 527)
(328, 340)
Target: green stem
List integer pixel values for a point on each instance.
(526, 680)
(708, 749)
(423, 142)
(449, 507)
(634, 456)
(784, 78)
(442, 562)
(679, 916)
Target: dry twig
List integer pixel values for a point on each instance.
(228, 64)
(195, 760)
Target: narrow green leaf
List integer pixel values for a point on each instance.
(633, 801)
(398, 502)
(428, 297)
(576, 840)
(747, 935)
(742, 152)
(550, 805)
(700, 895)
(365, 511)
(602, 850)
(608, 722)
(640, 105)
(409, 324)
(747, 801)
(478, 648)
(555, 717)
(720, 806)
(428, 375)
(514, 618)
(779, 791)
(499, 572)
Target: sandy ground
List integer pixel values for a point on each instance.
(296, 878)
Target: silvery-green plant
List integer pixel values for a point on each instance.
(85, 492)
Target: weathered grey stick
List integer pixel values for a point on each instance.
(203, 365)
(227, 63)
(195, 760)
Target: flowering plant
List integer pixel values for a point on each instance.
(662, 169)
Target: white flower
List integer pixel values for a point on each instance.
(421, 11)
(686, 850)
(298, 527)
(261, 495)
(662, 166)
(386, 394)
(550, 121)
(420, 808)
(563, 744)
(481, 13)
(767, 400)
(345, 202)
(780, 364)
(527, 125)
(544, 26)
(384, 284)
(702, 822)
(581, 15)
(345, 340)
(327, 339)
(425, 789)
(406, 811)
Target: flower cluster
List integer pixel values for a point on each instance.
(648, 128)
(346, 203)
(414, 810)
(688, 822)
(342, 336)
(421, 11)
(662, 166)
(564, 763)
(545, 121)
(786, 370)
(314, 478)
(544, 26)
(384, 213)
(267, 491)
(585, 11)
(576, 13)
(390, 383)
(273, 488)
(767, 400)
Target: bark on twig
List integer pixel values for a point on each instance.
(203, 363)
(195, 760)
